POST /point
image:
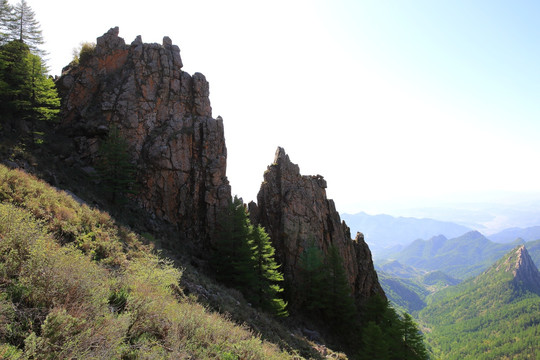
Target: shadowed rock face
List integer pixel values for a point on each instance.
(165, 115)
(524, 270)
(295, 211)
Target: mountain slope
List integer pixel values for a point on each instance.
(508, 235)
(75, 284)
(405, 294)
(407, 287)
(384, 231)
(495, 315)
(460, 257)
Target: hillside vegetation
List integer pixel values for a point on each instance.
(461, 258)
(74, 284)
(493, 316)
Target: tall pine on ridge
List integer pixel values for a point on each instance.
(25, 28)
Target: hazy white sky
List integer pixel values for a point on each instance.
(392, 102)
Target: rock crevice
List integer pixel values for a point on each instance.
(165, 115)
(295, 211)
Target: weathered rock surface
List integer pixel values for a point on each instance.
(525, 272)
(295, 211)
(165, 115)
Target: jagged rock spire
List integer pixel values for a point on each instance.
(525, 271)
(295, 211)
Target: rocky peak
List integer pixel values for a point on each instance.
(295, 211)
(524, 269)
(520, 266)
(165, 115)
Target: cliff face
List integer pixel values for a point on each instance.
(295, 211)
(524, 270)
(165, 115)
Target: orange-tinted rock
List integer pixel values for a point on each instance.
(165, 115)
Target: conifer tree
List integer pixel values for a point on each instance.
(26, 28)
(340, 307)
(45, 103)
(267, 276)
(313, 288)
(26, 92)
(232, 259)
(114, 167)
(374, 343)
(402, 337)
(412, 339)
(6, 18)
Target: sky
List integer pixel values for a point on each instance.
(396, 103)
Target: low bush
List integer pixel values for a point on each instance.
(73, 284)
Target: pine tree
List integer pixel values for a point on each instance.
(340, 307)
(267, 276)
(6, 18)
(374, 343)
(45, 103)
(402, 336)
(312, 290)
(26, 92)
(26, 28)
(412, 339)
(232, 256)
(114, 167)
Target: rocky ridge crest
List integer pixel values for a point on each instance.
(179, 149)
(165, 115)
(295, 211)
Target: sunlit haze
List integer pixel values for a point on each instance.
(396, 103)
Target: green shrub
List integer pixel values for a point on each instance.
(18, 232)
(73, 284)
(83, 53)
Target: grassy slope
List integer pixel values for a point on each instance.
(73, 283)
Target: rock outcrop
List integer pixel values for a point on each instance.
(295, 211)
(524, 270)
(165, 115)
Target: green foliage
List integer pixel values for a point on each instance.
(340, 307)
(26, 92)
(405, 294)
(114, 167)
(59, 301)
(231, 260)
(312, 290)
(488, 317)
(461, 258)
(6, 13)
(244, 259)
(25, 28)
(324, 289)
(266, 290)
(387, 335)
(83, 53)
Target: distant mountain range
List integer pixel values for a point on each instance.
(492, 316)
(511, 234)
(388, 235)
(461, 257)
(385, 233)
